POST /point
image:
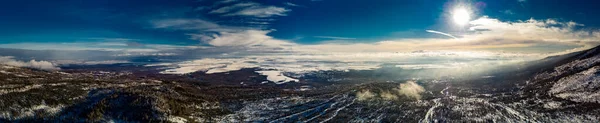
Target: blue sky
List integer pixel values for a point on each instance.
(111, 31)
(298, 21)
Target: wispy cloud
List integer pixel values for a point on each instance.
(241, 38)
(184, 24)
(221, 36)
(227, 1)
(261, 11)
(484, 34)
(290, 4)
(508, 12)
(441, 33)
(251, 9)
(335, 38)
(235, 7)
(249, 33)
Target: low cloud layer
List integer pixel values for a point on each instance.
(281, 63)
(43, 65)
(467, 62)
(365, 95)
(410, 90)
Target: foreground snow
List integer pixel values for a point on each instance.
(580, 87)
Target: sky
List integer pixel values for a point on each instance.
(185, 30)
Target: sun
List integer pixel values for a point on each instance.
(461, 16)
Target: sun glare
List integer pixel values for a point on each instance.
(461, 16)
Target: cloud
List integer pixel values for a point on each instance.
(411, 89)
(481, 34)
(220, 36)
(112, 47)
(44, 65)
(488, 31)
(227, 1)
(285, 63)
(335, 38)
(184, 24)
(258, 23)
(441, 33)
(79, 62)
(242, 38)
(251, 9)
(388, 96)
(228, 9)
(261, 11)
(252, 33)
(255, 48)
(533, 30)
(97, 46)
(364, 95)
(290, 4)
(508, 12)
(89, 52)
(299, 63)
(485, 34)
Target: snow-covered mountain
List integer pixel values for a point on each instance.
(569, 82)
(562, 88)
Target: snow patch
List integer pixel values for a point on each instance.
(176, 119)
(30, 112)
(277, 77)
(552, 105)
(21, 89)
